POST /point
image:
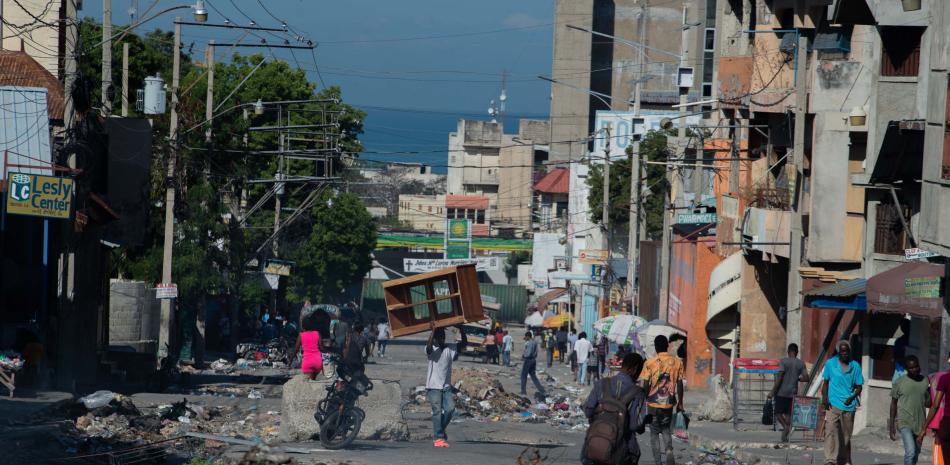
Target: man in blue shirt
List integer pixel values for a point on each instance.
(530, 361)
(840, 390)
(622, 384)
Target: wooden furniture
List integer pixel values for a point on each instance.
(449, 296)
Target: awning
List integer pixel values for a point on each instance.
(914, 288)
(843, 295)
(547, 297)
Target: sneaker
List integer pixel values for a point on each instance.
(441, 444)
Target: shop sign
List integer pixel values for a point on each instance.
(592, 257)
(38, 195)
(423, 265)
(696, 218)
(924, 288)
(917, 253)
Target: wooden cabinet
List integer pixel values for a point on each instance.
(450, 296)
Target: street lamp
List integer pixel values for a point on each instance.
(201, 14)
(258, 107)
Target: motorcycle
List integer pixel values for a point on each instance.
(338, 414)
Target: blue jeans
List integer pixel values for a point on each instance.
(582, 372)
(911, 448)
(528, 369)
(443, 409)
(506, 358)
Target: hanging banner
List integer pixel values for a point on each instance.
(423, 265)
(38, 195)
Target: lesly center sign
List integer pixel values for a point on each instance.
(38, 195)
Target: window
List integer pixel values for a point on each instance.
(710, 40)
(480, 217)
(889, 235)
(901, 51)
(430, 208)
(707, 89)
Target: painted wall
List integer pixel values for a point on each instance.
(764, 284)
(570, 108)
(514, 185)
(692, 264)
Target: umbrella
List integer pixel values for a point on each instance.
(621, 329)
(534, 319)
(556, 321)
(655, 328)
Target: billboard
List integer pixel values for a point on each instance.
(622, 131)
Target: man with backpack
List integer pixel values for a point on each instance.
(616, 410)
(662, 378)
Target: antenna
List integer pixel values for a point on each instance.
(503, 97)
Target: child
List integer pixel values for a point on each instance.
(573, 359)
(593, 371)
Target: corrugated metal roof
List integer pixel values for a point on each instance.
(24, 131)
(839, 289)
(20, 69)
(557, 181)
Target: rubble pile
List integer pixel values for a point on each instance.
(225, 367)
(481, 396)
(263, 455)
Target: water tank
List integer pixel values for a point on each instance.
(154, 95)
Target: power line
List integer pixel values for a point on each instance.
(442, 36)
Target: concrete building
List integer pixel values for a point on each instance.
(487, 163)
(401, 172)
(873, 183)
(612, 67)
(36, 27)
(423, 212)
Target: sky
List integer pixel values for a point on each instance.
(415, 66)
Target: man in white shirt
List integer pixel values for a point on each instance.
(582, 349)
(439, 384)
(383, 337)
(507, 344)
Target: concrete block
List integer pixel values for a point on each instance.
(383, 409)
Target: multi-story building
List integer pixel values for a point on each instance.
(835, 110)
(650, 43)
(423, 212)
(485, 162)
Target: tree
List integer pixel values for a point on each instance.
(653, 148)
(337, 251)
(148, 55)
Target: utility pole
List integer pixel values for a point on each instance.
(125, 79)
(633, 239)
(106, 56)
(793, 314)
(209, 105)
(605, 215)
(167, 319)
(666, 253)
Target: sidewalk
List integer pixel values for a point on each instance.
(870, 446)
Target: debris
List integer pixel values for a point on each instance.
(255, 394)
(222, 365)
(719, 409)
(97, 399)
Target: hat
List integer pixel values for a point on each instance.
(843, 342)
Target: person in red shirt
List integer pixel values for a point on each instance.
(499, 341)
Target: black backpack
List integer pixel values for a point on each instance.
(606, 440)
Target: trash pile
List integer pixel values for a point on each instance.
(481, 396)
(718, 456)
(10, 360)
(263, 455)
(223, 366)
(104, 421)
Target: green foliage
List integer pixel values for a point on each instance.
(148, 55)
(337, 251)
(200, 461)
(517, 258)
(653, 147)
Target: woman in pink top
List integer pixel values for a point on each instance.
(309, 341)
(940, 414)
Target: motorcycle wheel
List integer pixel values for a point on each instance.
(337, 432)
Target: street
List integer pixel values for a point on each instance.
(476, 436)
